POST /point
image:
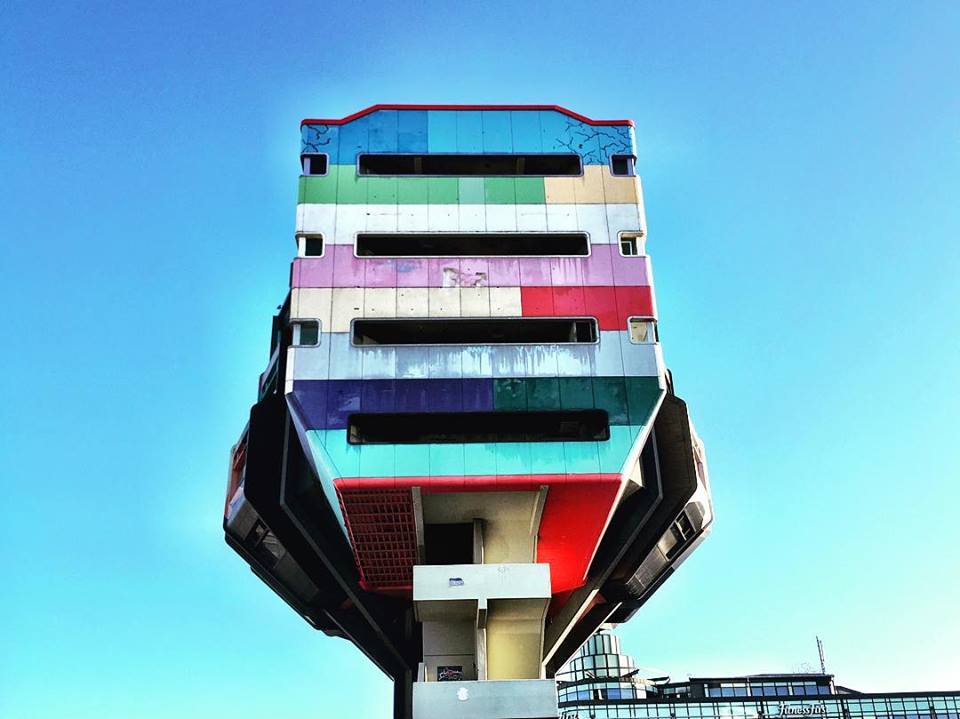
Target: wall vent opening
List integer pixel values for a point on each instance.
(461, 165)
(590, 425)
(486, 331)
(477, 244)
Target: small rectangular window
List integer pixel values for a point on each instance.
(631, 244)
(623, 165)
(643, 330)
(309, 245)
(590, 425)
(306, 333)
(518, 330)
(462, 165)
(477, 244)
(313, 163)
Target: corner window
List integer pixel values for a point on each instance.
(313, 163)
(306, 333)
(623, 165)
(631, 244)
(643, 330)
(309, 245)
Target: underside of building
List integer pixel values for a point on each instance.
(467, 453)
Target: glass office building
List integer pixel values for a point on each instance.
(601, 682)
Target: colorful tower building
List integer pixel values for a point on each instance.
(467, 453)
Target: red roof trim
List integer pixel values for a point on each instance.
(374, 108)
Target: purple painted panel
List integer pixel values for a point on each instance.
(535, 272)
(504, 272)
(445, 395)
(598, 270)
(379, 395)
(314, 272)
(567, 271)
(312, 399)
(378, 272)
(343, 399)
(411, 273)
(629, 271)
(477, 395)
(347, 271)
(413, 395)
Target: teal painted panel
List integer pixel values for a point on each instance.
(345, 456)
(581, 457)
(543, 393)
(446, 460)
(643, 393)
(480, 458)
(413, 460)
(378, 460)
(610, 394)
(441, 131)
(510, 394)
(547, 457)
(513, 458)
(496, 131)
(576, 392)
(525, 131)
(613, 453)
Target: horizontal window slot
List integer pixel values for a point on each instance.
(590, 425)
(495, 331)
(476, 244)
(461, 165)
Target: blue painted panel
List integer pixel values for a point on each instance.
(477, 395)
(413, 362)
(383, 131)
(311, 398)
(412, 128)
(441, 131)
(343, 361)
(354, 139)
(496, 131)
(343, 399)
(553, 128)
(379, 362)
(445, 361)
(321, 138)
(469, 131)
(576, 361)
(608, 360)
(414, 395)
(525, 131)
(476, 361)
(446, 395)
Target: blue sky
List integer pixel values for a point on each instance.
(801, 164)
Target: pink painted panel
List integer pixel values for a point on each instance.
(567, 271)
(629, 271)
(535, 272)
(378, 272)
(347, 270)
(598, 270)
(411, 272)
(314, 272)
(504, 271)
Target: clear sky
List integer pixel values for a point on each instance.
(801, 163)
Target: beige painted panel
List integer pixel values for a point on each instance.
(514, 640)
(347, 304)
(475, 301)
(620, 190)
(588, 190)
(380, 302)
(412, 302)
(559, 189)
(505, 302)
(443, 302)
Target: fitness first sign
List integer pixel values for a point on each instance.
(802, 710)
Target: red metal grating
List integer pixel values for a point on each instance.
(384, 538)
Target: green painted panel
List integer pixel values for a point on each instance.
(610, 393)
(471, 191)
(530, 190)
(351, 188)
(319, 190)
(642, 395)
(576, 392)
(510, 394)
(499, 190)
(443, 190)
(412, 191)
(543, 393)
(382, 191)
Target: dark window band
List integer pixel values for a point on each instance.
(461, 331)
(477, 244)
(461, 165)
(590, 425)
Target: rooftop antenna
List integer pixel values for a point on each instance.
(823, 664)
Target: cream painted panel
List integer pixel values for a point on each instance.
(473, 218)
(444, 302)
(412, 218)
(381, 218)
(380, 302)
(350, 220)
(562, 218)
(313, 303)
(501, 218)
(593, 220)
(317, 218)
(622, 218)
(443, 218)
(475, 301)
(347, 304)
(620, 190)
(532, 218)
(412, 302)
(559, 189)
(505, 302)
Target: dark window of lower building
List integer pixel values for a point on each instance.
(313, 163)
(623, 165)
(478, 244)
(521, 330)
(465, 164)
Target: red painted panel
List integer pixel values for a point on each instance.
(537, 302)
(569, 301)
(601, 302)
(633, 301)
(374, 108)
